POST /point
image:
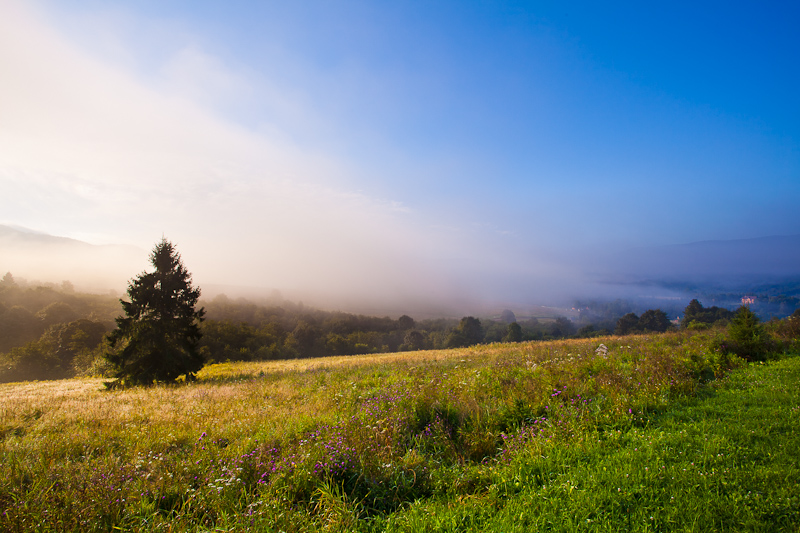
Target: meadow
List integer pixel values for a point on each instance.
(640, 433)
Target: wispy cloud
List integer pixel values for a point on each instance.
(91, 149)
(365, 159)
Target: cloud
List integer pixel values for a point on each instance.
(101, 150)
(200, 76)
(91, 149)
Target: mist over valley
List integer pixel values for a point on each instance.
(665, 275)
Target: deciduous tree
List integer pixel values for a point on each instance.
(406, 323)
(468, 332)
(627, 324)
(561, 327)
(508, 316)
(513, 333)
(654, 320)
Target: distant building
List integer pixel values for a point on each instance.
(747, 300)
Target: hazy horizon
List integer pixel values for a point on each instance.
(460, 154)
(641, 277)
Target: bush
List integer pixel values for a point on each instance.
(789, 328)
(35, 360)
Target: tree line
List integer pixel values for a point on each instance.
(159, 333)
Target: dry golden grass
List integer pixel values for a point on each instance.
(303, 365)
(277, 397)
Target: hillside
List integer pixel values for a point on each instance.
(597, 435)
(47, 258)
(709, 266)
(53, 331)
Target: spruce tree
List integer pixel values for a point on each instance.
(654, 320)
(156, 340)
(747, 336)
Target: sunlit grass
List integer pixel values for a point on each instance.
(506, 437)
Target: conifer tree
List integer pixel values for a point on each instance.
(157, 339)
(747, 336)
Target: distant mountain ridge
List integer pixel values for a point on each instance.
(719, 264)
(41, 257)
(24, 237)
(777, 255)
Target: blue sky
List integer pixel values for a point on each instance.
(401, 148)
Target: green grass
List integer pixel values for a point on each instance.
(726, 462)
(519, 437)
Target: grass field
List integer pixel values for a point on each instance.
(618, 433)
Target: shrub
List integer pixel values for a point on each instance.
(789, 327)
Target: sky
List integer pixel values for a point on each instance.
(399, 151)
